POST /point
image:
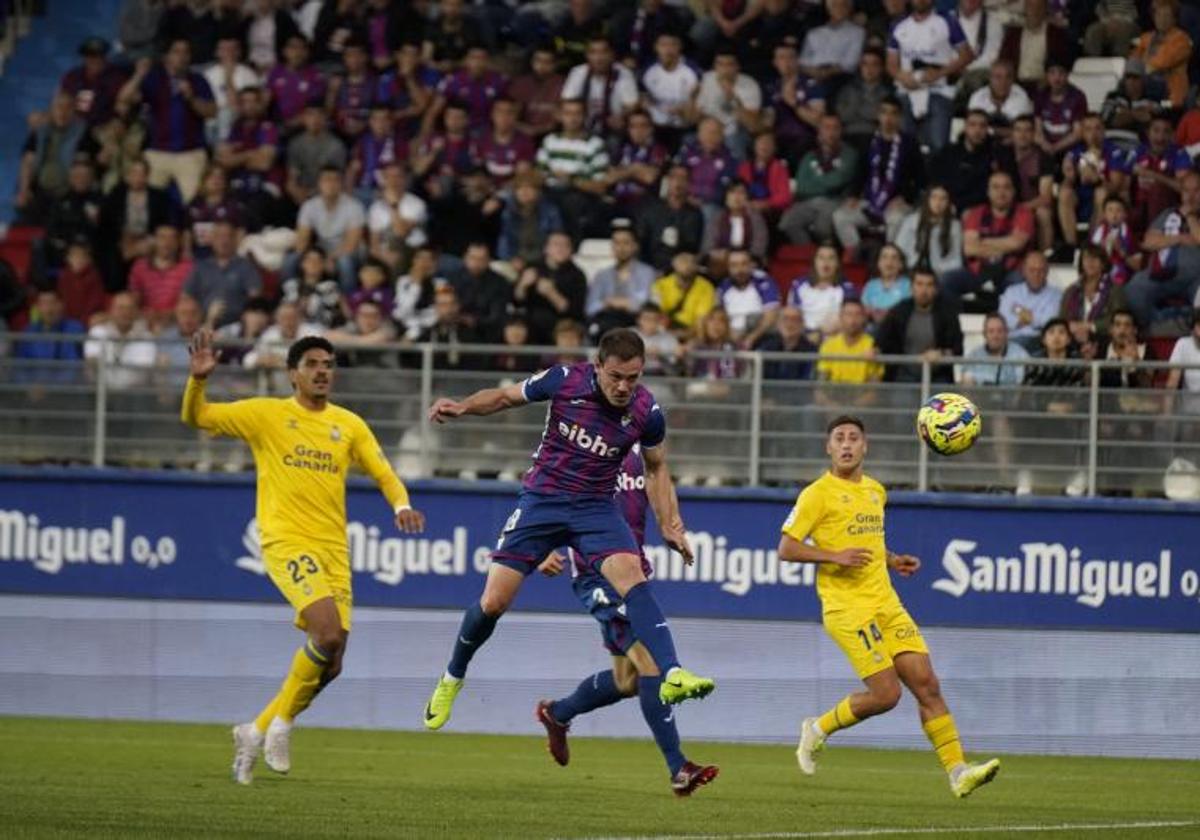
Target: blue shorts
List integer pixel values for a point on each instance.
(593, 526)
(605, 605)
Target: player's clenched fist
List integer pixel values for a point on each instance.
(444, 410)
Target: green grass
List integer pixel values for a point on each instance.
(61, 778)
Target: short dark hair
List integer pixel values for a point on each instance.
(650, 307)
(330, 169)
(1055, 322)
(621, 344)
(845, 420)
(925, 270)
(1127, 313)
(298, 349)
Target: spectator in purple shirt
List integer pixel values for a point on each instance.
(711, 165)
(379, 147)
(178, 102)
(407, 89)
(795, 103)
(251, 154)
(293, 84)
(213, 204)
(475, 86)
(94, 84)
(503, 150)
(351, 93)
(638, 167)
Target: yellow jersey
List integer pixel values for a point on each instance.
(838, 514)
(847, 372)
(684, 308)
(302, 458)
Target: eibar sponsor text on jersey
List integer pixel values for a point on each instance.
(590, 441)
(1052, 569)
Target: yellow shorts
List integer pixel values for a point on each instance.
(871, 639)
(307, 574)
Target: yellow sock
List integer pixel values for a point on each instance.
(839, 717)
(301, 683)
(268, 713)
(943, 734)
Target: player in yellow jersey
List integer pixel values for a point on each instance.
(303, 447)
(838, 523)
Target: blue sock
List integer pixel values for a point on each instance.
(650, 626)
(476, 628)
(596, 692)
(661, 720)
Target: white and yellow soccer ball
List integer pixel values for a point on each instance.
(949, 423)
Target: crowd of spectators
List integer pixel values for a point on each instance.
(389, 172)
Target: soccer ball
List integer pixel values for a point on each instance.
(949, 423)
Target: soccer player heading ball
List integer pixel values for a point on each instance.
(598, 411)
(841, 514)
(303, 446)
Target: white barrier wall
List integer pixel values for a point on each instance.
(1093, 692)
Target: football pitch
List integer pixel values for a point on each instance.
(68, 778)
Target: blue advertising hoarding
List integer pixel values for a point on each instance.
(987, 561)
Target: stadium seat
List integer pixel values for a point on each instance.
(1104, 66)
(593, 256)
(595, 249)
(972, 330)
(1061, 276)
(1095, 87)
(857, 274)
(796, 253)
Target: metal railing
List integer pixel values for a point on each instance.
(743, 430)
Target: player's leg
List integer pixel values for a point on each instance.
(624, 572)
(686, 776)
(535, 528)
(859, 636)
(478, 623)
(601, 689)
(915, 670)
(308, 580)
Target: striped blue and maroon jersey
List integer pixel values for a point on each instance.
(586, 438)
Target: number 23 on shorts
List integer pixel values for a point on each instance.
(301, 567)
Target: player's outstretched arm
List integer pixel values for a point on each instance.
(480, 404)
(368, 454)
(238, 419)
(202, 361)
(660, 490)
(794, 551)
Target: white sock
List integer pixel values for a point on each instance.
(448, 677)
(816, 725)
(278, 723)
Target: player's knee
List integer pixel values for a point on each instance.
(885, 697)
(928, 689)
(627, 683)
(331, 642)
(495, 604)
